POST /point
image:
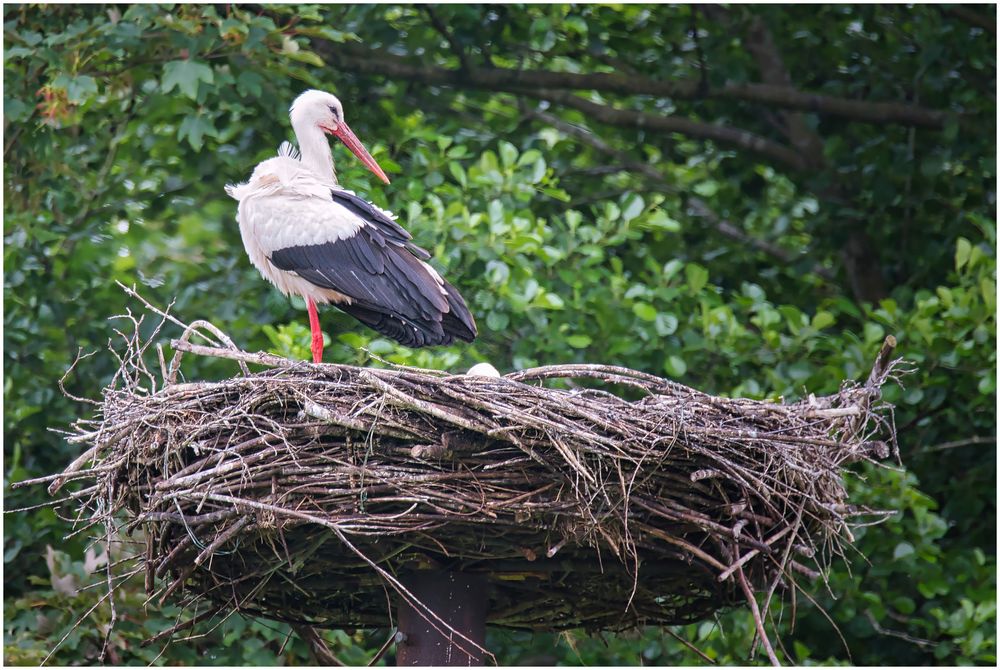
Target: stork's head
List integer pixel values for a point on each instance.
(319, 109)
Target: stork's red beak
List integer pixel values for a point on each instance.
(344, 133)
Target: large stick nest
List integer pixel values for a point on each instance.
(590, 495)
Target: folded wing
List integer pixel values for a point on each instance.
(382, 272)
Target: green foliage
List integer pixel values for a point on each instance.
(122, 125)
(291, 340)
(51, 613)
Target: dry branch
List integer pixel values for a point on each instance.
(301, 492)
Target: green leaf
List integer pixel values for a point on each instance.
(644, 311)
(575, 24)
(946, 296)
(932, 166)
(874, 332)
(902, 550)
(81, 88)
(547, 300)
(675, 366)
(962, 251)
(578, 341)
(988, 287)
(497, 272)
(557, 194)
(15, 53)
(457, 172)
(632, 206)
(194, 128)
(495, 209)
(550, 136)
(497, 321)
(15, 110)
(528, 157)
(306, 57)
(185, 75)
(488, 163)
(508, 154)
(538, 169)
(232, 28)
(611, 211)
(706, 189)
(249, 83)
(697, 276)
(671, 268)
(659, 219)
(822, 319)
(666, 324)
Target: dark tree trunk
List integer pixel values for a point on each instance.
(460, 600)
(863, 268)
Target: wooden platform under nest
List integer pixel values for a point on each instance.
(591, 496)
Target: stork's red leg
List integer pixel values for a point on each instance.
(317, 334)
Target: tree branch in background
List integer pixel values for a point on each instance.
(701, 208)
(365, 60)
(972, 17)
(859, 254)
(393, 66)
(760, 44)
(586, 136)
(703, 85)
(696, 205)
(442, 29)
(726, 135)
(969, 441)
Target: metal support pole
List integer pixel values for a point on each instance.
(460, 599)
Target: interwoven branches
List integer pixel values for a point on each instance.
(590, 495)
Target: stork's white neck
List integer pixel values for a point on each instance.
(315, 150)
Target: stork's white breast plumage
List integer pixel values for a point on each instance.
(286, 205)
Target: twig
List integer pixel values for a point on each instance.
(882, 363)
(221, 539)
(259, 358)
(752, 602)
(317, 646)
(976, 439)
(725, 574)
(184, 625)
(920, 642)
(705, 657)
(175, 364)
(394, 638)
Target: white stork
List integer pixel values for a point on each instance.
(310, 237)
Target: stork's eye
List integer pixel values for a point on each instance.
(337, 114)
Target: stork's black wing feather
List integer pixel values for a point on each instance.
(379, 219)
(391, 290)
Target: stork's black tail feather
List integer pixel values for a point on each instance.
(458, 323)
